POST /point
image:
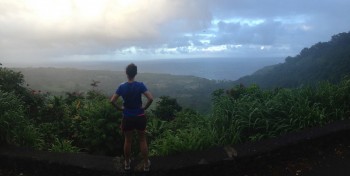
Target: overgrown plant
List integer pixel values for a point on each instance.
(63, 146)
(15, 128)
(90, 124)
(98, 127)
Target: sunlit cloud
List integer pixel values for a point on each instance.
(240, 21)
(46, 30)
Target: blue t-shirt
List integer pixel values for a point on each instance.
(131, 94)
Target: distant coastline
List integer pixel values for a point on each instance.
(209, 68)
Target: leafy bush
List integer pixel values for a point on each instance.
(155, 127)
(183, 140)
(11, 81)
(63, 146)
(97, 127)
(188, 132)
(253, 113)
(15, 128)
(250, 114)
(166, 108)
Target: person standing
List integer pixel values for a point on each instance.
(133, 114)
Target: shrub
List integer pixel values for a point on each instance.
(167, 108)
(15, 128)
(188, 132)
(63, 146)
(246, 114)
(98, 129)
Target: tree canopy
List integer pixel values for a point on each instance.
(324, 61)
(166, 108)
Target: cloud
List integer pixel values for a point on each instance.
(50, 29)
(33, 27)
(263, 33)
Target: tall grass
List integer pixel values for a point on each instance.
(250, 114)
(189, 131)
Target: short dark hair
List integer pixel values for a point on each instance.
(131, 70)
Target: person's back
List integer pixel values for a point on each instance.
(131, 93)
(133, 114)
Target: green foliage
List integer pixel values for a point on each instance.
(97, 124)
(324, 61)
(95, 95)
(49, 132)
(11, 81)
(15, 128)
(183, 140)
(73, 96)
(55, 120)
(56, 123)
(54, 110)
(155, 128)
(90, 124)
(63, 146)
(166, 108)
(253, 114)
(188, 132)
(190, 92)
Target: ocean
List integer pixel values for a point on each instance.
(209, 68)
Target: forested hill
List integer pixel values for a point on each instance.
(328, 61)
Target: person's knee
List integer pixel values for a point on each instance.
(128, 138)
(142, 135)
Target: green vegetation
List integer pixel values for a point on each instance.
(189, 91)
(56, 123)
(15, 128)
(76, 121)
(250, 114)
(166, 108)
(324, 61)
(90, 124)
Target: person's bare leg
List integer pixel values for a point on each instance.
(127, 145)
(143, 146)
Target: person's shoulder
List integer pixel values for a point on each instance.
(123, 84)
(139, 83)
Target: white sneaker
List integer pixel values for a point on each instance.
(127, 165)
(147, 166)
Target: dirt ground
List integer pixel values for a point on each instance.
(323, 155)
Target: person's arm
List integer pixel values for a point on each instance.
(113, 102)
(149, 99)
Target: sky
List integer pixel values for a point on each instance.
(33, 31)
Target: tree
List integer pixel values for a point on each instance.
(73, 96)
(167, 108)
(15, 128)
(94, 84)
(11, 81)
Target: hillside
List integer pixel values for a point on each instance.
(190, 91)
(240, 117)
(324, 61)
